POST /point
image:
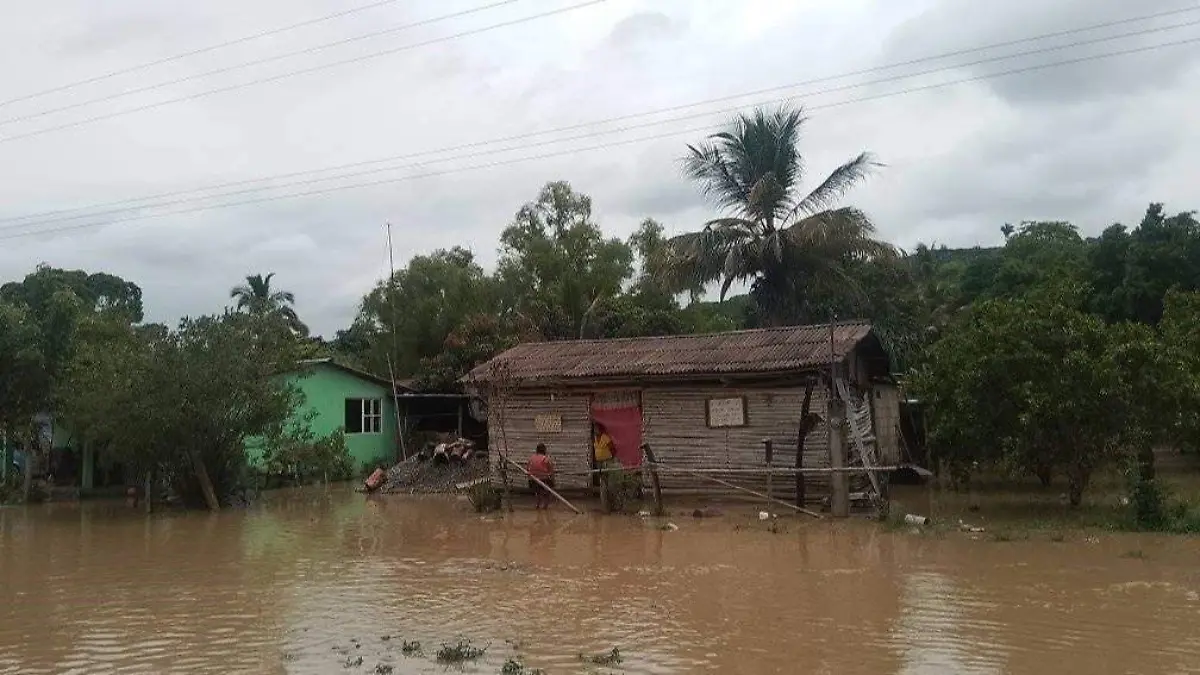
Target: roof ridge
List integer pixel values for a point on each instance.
(678, 336)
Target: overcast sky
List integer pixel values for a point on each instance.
(1092, 143)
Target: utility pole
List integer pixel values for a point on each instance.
(391, 352)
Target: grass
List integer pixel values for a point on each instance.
(459, 652)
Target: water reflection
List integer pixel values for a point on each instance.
(314, 580)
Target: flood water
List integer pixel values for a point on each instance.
(312, 580)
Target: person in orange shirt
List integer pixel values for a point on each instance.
(541, 467)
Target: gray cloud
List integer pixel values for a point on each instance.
(949, 26)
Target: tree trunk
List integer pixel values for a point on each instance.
(1077, 477)
(1145, 460)
(206, 486)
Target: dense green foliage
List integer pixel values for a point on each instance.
(1054, 354)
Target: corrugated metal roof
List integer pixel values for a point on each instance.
(768, 350)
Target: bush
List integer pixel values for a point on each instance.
(298, 457)
(624, 489)
(484, 497)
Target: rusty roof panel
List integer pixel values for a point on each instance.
(769, 350)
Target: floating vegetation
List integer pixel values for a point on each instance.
(609, 658)
(383, 669)
(514, 666)
(353, 663)
(410, 648)
(459, 652)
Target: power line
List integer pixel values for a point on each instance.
(322, 47)
(572, 151)
(196, 52)
(572, 127)
(91, 212)
(250, 64)
(294, 73)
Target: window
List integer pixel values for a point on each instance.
(364, 415)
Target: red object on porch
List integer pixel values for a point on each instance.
(621, 415)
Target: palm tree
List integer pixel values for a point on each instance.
(782, 241)
(256, 297)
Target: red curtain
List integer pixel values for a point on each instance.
(621, 415)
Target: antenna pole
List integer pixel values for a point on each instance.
(391, 352)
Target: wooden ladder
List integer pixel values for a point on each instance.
(858, 416)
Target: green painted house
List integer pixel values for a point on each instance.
(338, 398)
(342, 398)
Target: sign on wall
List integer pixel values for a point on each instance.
(726, 412)
(548, 423)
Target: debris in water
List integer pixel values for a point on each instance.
(353, 663)
(459, 652)
(514, 666)
(410, 648)
(383, 669)
(610, 658)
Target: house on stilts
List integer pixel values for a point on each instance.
(701, 402)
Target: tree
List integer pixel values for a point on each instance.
(98, 292)
(409, 318)
(556, 267)
(1131, 272)
(24, 380)
(1034, 384)
(479, 338)
(184, 402)
(256, 297)
(780, 240)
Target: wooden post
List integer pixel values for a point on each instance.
(808, 422)
(655, 485)
(768, 450)
(839, 482)
(460, 418)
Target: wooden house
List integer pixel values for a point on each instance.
(699, 401)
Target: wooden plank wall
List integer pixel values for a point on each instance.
(885, 413)
(674, 423)
(570, 448)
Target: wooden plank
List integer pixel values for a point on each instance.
(547, 487)
(739, 488)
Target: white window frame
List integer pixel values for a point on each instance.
(371, 411)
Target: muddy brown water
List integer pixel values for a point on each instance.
(312, 580)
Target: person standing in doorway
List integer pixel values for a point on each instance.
(541, 467)
(603, 453)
